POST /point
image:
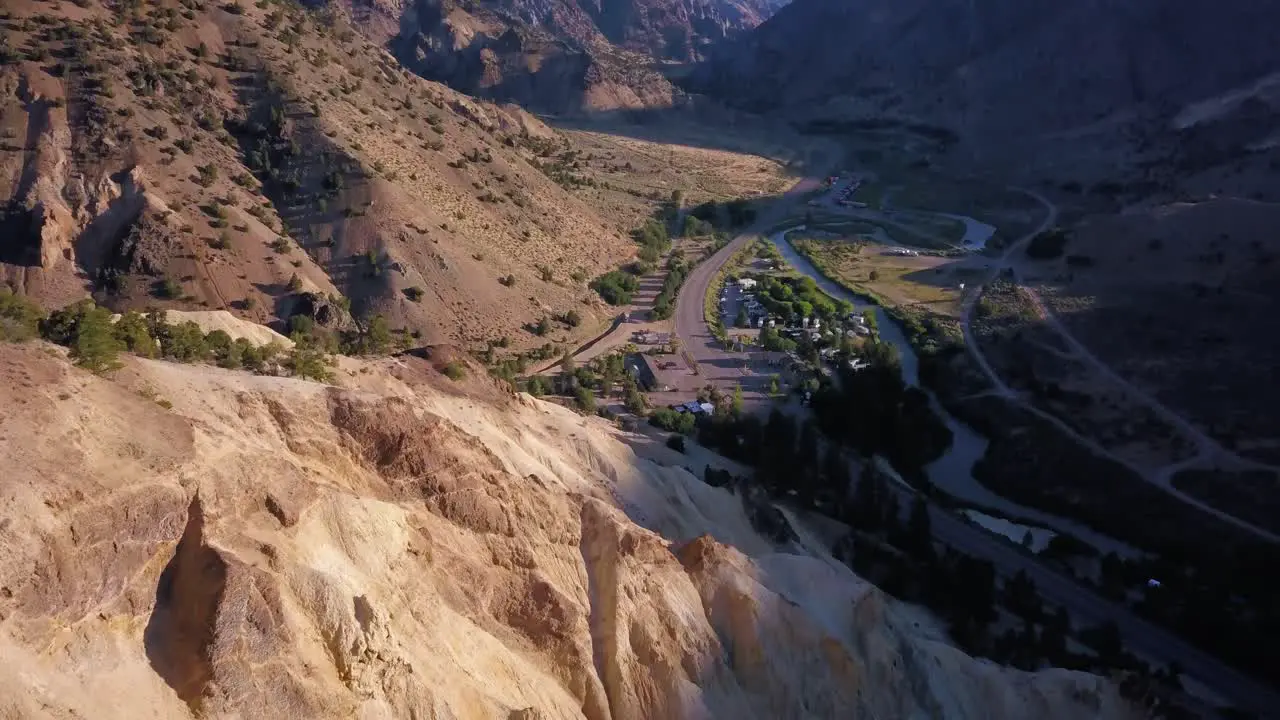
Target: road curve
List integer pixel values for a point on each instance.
(1206, 446)
(1085, 606)
(713, 361)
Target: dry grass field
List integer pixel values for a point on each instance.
(929, 281)
(629, 174)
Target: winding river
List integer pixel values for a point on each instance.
(953, 472)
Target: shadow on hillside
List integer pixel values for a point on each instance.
(946, 275)
(707, 126)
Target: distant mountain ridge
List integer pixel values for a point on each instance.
(995, 71)
(558, 54)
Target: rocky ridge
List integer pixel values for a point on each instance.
(229, 156)
(559, 55)
(183, 541)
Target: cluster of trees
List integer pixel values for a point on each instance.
(582, 382)
(875, 412)
(677, 270)
(732, 214)
(795, 298)
(1048, 244)
(616, 287)
(95, 341)
(653, 239)
(773, 341)
(672, 421)
(1195, 581)
(696, 227)
(890, 544)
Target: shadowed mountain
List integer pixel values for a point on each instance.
(558, 55)
(1007, 77)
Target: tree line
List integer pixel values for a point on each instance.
(96, 338)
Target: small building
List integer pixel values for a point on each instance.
(694, 407)
(747, 283)
(640, 369)
(655, 338)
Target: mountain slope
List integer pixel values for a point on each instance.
(559, 55)
(996, 72)
(259, 547)
(191, 154)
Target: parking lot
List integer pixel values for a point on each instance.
(732, 299)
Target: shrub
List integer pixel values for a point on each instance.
(536, 386)
(1048, 244)
(616, 287)
(542, 327)
(295, 283)
(455, 370)
(414, 293)
(634, 401)
(507, 280)
(169, 289)
(585, 399)
(572, 318)
(131, 330)
(676, 442)
(672, 421)
(19, 317)
(87, 330)
(208, 174)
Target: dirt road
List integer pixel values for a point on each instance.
(1208, 449)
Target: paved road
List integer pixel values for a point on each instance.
(1085, 606)
(715, 364)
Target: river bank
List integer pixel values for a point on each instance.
(952, 474)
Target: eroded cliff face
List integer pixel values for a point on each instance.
(408, 547)
(558, 55)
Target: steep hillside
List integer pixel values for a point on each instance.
(260, 157)
(558, 55)
(1003, 76)
(185, 541)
